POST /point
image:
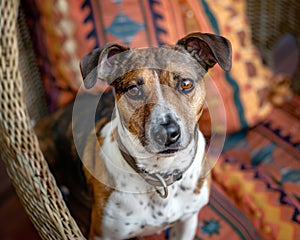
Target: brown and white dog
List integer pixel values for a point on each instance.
(143, 162)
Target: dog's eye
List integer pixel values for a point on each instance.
(134, 91)
(186, 85)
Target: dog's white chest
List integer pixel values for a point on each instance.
(135, 208)
(127, 215)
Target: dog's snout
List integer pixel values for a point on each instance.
(166, 133)
(173, 133)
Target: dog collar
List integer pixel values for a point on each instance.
(156, 179)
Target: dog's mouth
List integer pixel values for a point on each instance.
(169, 151)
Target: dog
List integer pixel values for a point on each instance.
(141, 166)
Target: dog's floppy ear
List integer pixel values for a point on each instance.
(90, 63)
(208, 49)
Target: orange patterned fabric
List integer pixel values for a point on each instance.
(244, 92)
(260, 171)
(72, 28)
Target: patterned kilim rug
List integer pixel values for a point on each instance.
(260, 172)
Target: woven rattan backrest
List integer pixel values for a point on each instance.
(19, 146)
(33, 89)
(270, 20)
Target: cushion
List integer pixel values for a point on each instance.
(244, 89)
(260, 170)
(66, 30)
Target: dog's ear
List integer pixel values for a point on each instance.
(91, 62)
(208, 49)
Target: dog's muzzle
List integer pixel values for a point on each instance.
(166, 134)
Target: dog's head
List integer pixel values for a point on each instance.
(159, 93)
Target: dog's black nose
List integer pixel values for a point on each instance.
(173, 133)
(167, 133)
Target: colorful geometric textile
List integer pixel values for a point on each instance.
(65, 30)
(260, 171)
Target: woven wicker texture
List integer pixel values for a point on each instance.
(270, 20)
(34, 93)
(19, 147)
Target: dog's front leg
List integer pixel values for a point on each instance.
(184, 230)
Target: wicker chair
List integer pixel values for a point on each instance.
(19, 146)
(26, 166)
(269, 21)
